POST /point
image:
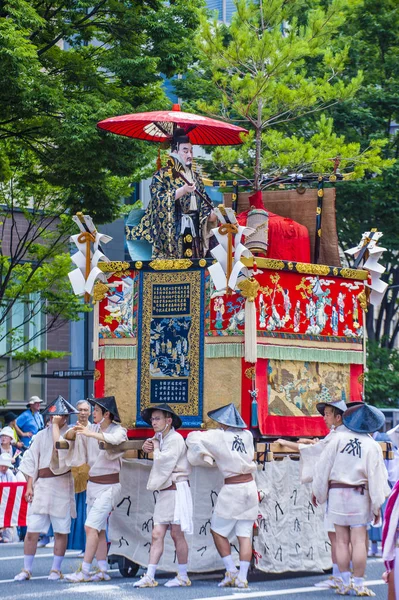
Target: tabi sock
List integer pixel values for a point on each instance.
(57, 562)
(335, 571)
(229, 563)
(102, 565)
(182, 570)
(151, 571)
(86, 567)
(358, 581)
(346, 577)
(374, 547)
(28, 562)
(244, 566)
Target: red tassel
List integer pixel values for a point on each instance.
(255, 200)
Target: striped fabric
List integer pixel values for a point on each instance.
(13, 506)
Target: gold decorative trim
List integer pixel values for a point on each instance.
(114, 266)
(163, 264)
(266, 263)
(100, 291)
(249, 288)
(354, 273)
(202, 262)
(138, 265)
(97, 374)
(362, 297)
(249, 373)
(310, 269)
(307, 268)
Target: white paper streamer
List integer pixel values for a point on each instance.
(78, 277)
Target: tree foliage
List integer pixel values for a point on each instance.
(277, 69)
(64, 66)
(382, 377)
(35, 294)
(373, 202)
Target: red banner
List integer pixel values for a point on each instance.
(13, 506)
(294, 304)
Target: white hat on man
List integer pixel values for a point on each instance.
(34, 400)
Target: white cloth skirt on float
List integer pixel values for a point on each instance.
(348, 506)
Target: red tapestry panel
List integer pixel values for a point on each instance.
(294, 304)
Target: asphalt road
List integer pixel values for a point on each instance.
(204, 587)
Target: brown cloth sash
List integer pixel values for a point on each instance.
(171, 487)
(105, 479)
(359, 488)
(47, 473)
(243, 478)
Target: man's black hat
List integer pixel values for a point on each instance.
(107, 403)
(179, 137)
(147, 413)
(228, 415)
(60, 407)
(363, 418)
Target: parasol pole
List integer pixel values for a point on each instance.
(200, 194)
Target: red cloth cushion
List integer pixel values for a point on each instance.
(287, 239)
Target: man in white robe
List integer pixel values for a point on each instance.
(173, 509)
(49, 492)
(352, 476)
(310, 453)
(103, 488)
(231, 448)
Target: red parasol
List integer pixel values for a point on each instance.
(158, 126)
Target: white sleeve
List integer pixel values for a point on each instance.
(199, 453)
(309, 456)
(117, 436)
(322, 471)
(164, 461)
(75, 456)
(29, 464)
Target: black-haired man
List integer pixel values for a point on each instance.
(49, 491)
(169, 475)
(231, 449)
(177, 220)
(103, 488)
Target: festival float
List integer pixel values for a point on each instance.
(270, 321)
